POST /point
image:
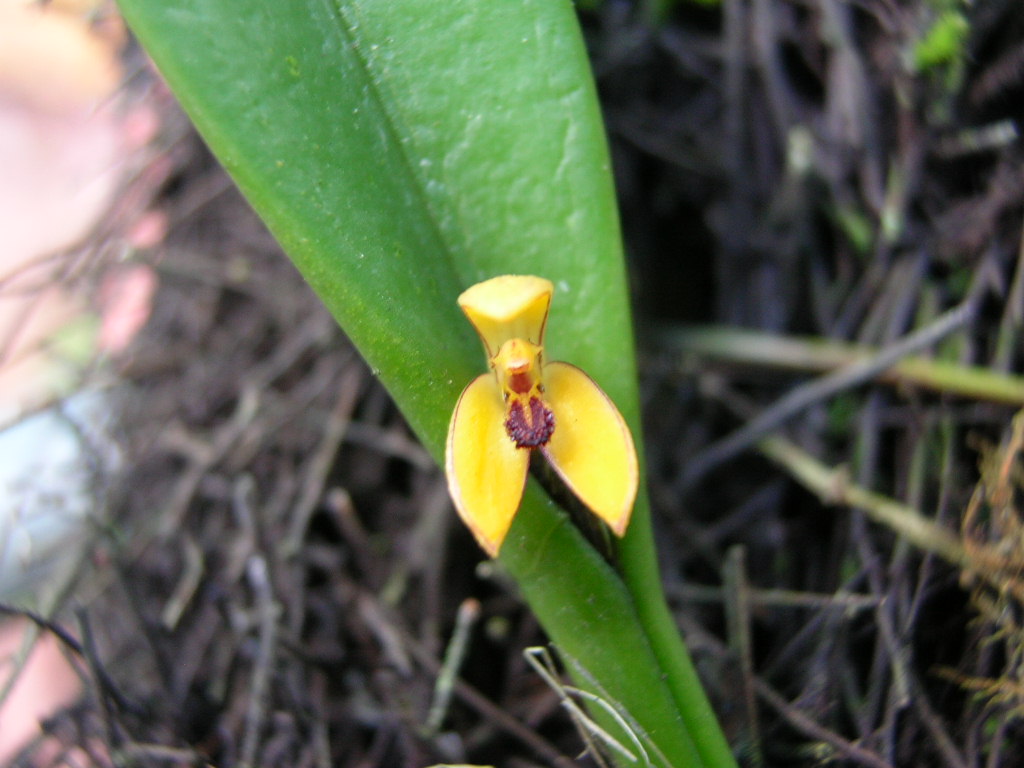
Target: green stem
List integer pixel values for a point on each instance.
(834, 487)
(814, 355)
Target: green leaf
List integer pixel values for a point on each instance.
(400, 151)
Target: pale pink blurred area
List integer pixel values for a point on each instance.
(59, 133)
(126, 296)
(66, 143)
(45, 683)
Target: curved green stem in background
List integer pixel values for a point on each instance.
(400, 151)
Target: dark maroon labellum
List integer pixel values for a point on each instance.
(529, 429)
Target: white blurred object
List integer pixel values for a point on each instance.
(53, 466)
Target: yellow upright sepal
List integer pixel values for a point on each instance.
(508, 307)
(486, 471)
(591, 447)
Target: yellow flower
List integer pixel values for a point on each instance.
(526, 404)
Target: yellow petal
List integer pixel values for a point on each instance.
(508, 307)
(486, 472)
(591, 447)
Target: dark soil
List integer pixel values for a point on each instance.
(283, 570)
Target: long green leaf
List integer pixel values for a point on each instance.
(401, 150)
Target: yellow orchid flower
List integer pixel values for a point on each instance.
(526, 404)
